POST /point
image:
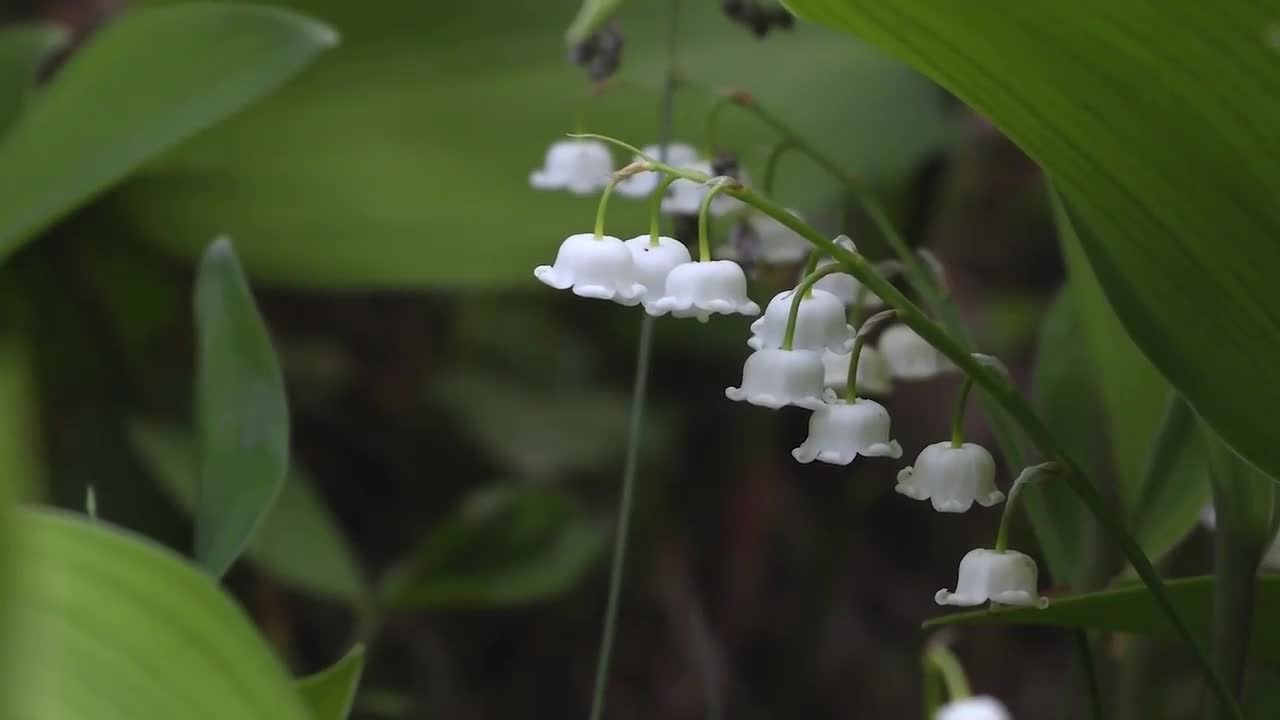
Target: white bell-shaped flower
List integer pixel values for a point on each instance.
(953, 478)
(773, 378)
(684, 197)
(643, 184)
(910, 356)
(841, 431)
(654, 264)
(979, 707)
(700, 289)
(873, 372)
(580, 166)
(843, 285)
(1005, 577)
(594, 268)
(820, 323)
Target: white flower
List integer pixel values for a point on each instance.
(699, 289)
(910, 356)
(579, 166)
(840, 431)
(951, 477)
(778, 243)
(873, 372)
(843, 285)
(820, 323)
(654, 264)
(773, 378)
(684, 197)
(979, 707)
(1006, 578)
(595, 268)
(643, 184)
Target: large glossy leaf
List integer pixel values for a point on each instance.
(1130, 610)
(243, 418)
(1175, 486)
(110, 626)
(505, 545)
(1156, 120)
(402, 158)
(331, 692)
(299, 541)
(22, 47)
(144, 83)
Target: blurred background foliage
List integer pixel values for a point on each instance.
(457, 430)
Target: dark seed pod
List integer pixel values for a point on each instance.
(725, 164)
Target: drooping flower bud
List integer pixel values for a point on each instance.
(594, 268)
(840, 431)
(701, 289)
(952, 478)
(1004, 577)
(910, 356)
(820, 324)
(774, 378)
(580, 166)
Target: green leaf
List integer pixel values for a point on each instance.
(1078, 86)
(148, 80)
(591, 15)
(1066, 392)
(403, 139)
(110, 626)
(1175, 486)
(22, 47)
(243, 418)
(299, 542)
(504, 546)
(331, 692)
(1131, 610)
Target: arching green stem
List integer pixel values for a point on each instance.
(771, 163)
(944, 662)
(713, 122)
(604, 204)
(801, 291)
(1011, 401)
(851, 385)
(704, 220)
(1035, 473)
(957, 418)
(655, 213)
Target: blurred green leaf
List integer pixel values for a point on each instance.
(402, 159)
(22, 47)
(505, 545)
(243, 417)
(1130, 610)
(1175, 486)
(298, 543)
(331, 692)
(591, 15)
(1077, 86)
(1065, 391)
(110, 626)
(147, 81)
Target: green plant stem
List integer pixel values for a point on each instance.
(1235, 572)
(797, 297)
(604, 205)
(948, 667)
(713, 120)
(957, 417)
(704, 220)
(771, 163)
(855, 355)
(1084, 657)
(1010, 400)
(655, 213)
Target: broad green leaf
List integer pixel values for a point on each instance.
(22, 47)
(148, 80)
(1131, 610)
(110, 626)
(1175, 486)
(1066, 392)
(331, 692)
(1156, 121)
(299, 541)
(404, 139)
(505, 545)
(591, 15)
(240, 405)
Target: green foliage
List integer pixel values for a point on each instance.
(243, 417)
(1175, 486)
(331, 692)
(411, 168)
(1078, 96)
(591, 15)
(21, 50)
(110, 626)
(1130, 610)
(505, 545)
(299, 542)
(54, 158)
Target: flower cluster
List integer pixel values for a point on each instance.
(809, 348)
